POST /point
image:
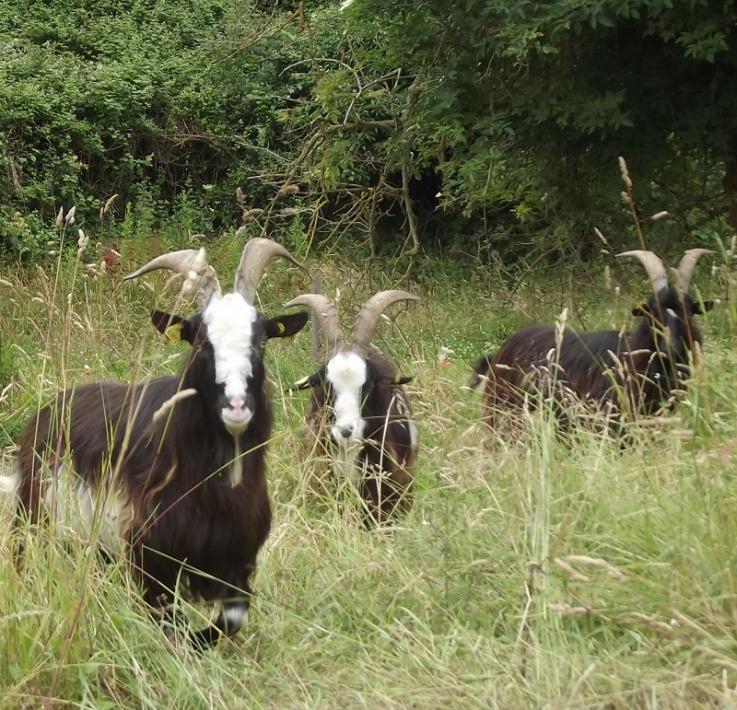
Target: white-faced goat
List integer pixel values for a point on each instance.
(636, 371)
(360, 415)
(172, 470)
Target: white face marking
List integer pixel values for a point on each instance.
(346, 373)
(75, 507)
(229, 322)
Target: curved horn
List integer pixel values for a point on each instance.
(256, 255)
(686, 267)
(192, 264)
(327, 314)
(653, 265)
(368, 317)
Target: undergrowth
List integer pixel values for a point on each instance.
(554, 573)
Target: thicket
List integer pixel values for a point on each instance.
(480, 126)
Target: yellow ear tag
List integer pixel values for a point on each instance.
(280, 327)
(173, 333)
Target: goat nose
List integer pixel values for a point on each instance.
(236, 403)
(346, 432)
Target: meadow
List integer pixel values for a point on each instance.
(545, 572)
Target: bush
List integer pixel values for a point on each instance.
(166, 101)
(483, 125)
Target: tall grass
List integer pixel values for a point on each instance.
(547, 573)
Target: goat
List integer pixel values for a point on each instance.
(359, 398)
(636, 370)
(171, 470)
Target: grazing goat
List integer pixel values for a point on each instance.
(358, 397)
(610, 371)
(172, 469)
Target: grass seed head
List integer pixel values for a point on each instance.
(625, 173)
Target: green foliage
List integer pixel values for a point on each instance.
(481, 123)
(522, 109)
(170, 105)
(24, 236)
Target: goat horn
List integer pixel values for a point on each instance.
(256, 255)
(326, 313)
(192, 264)
(686, 267)
(368, 317)
(653, 265)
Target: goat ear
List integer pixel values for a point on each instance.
(173, 327)
(286, 325)
(701, 307)
(403, 380)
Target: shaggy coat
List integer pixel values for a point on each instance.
(611, 371)
(187, 497)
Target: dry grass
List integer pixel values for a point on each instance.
(546, 575)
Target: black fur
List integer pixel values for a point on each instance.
(182, 517)
(644, 365)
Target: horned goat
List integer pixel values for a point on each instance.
(172, 470)
(360, 415)
(610, 371)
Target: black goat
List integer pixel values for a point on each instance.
(360, 415)
(611, 371)
(172, 469)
